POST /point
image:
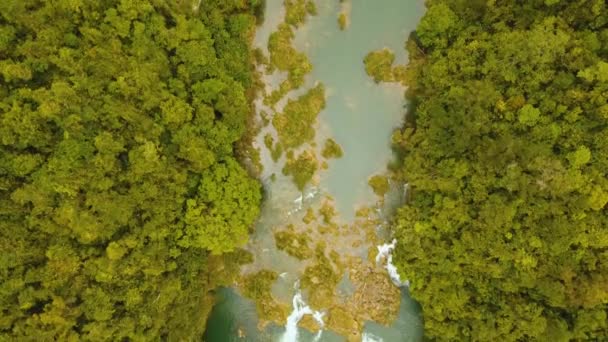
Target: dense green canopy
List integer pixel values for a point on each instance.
(117, 169)
(506, 234)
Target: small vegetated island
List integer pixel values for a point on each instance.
(505, 236)
(120, 190)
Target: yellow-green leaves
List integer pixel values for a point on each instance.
(298, 10)
(528, 115)
(380, 184)
(580, 157)
(286, 58)
(505, 228)
(12, 71)
(7, 34)
(437, 25)
(22, 165)
(379, 65)
(295, 124)
(219, 217)
(175, 112)
(302, 168)
(598, 72)
(115, 251)
(598, 199)
(144, 159)
(331, 149)
(117, 174)
(105, 142)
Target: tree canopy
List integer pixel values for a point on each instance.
(506, 151)
(118, 176)
(379, 65)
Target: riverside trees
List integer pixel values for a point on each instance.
(505, 237)
(117, 171)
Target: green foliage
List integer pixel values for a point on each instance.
(295, 124)
(285, 57)
(342, 21)
(327, 211)
(379, 65)
(331, 149)
(258, 287)
(117, 169)
(505, 235)
(294, 244)
(380, 184)
(276, 95)
(265, 118)
(296, 11)
(321, 279)
(276, 152)
(268, 141)
(309, 217)
(219, 217)
(528, 115)
(302, 168)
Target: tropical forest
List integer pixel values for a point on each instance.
(303, 170)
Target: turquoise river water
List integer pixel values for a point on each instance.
(360, 115)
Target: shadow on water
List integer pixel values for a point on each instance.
(231, 314)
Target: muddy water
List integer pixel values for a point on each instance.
(360, 115)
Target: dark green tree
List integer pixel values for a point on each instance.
(118, 177)
(505, 235)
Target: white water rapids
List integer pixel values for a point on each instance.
(303, 198)
(300, 309)
(386, 252)
(367, 337)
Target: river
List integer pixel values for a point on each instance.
(360, 115)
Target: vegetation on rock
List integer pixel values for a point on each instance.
(283, 55)
(331, 149)
(342, 21)
(268, 141)
(294, 244)
(258, 286)
(302, 168)
(296, 11)
(379, 65)
(321, 278)
(309, 217)
(295, 125)
(327, 211)
(380, 184)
